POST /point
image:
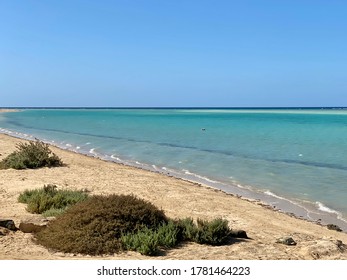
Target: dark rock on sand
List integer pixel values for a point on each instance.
(334, 227)
(239, 234)
(9, 224)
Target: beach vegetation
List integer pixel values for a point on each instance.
(95, 226)
(144, 241)
(50, 201)
(187, 229)
(215, 232)
(168, 235)
(108, 224)
(34, 154)
(150, 241)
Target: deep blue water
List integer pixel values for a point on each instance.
(278, 155)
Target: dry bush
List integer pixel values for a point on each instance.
(96, 225)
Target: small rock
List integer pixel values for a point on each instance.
(286, 241)
(334, 227)
(9, 224)
(239, 234)
(33, 225)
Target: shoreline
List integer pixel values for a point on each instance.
(4, 110)
(306, 211)
(273, 202)
(177, 197)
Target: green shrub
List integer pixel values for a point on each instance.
(147, 241)
(167, 235)
(31, 155)
(50, 201)
(144, 241)
(96, 225)
(215, 232)
(187, 229)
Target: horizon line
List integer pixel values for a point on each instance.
(173, 107)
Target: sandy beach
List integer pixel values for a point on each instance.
(177, 197)
(2, 110)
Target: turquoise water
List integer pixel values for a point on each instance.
(294, 160)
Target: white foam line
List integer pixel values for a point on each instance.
(326, 209)
(18, 134)
(320, 206)
(269, 193)
(274, 195)
(187, 172)
(116, 158)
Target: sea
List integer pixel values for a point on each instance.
(292, 159)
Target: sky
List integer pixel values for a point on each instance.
(173, 53)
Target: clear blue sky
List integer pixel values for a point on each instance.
(173, 53)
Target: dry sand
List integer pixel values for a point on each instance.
(3, 110)
(178, 198)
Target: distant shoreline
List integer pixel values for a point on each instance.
(4, 110)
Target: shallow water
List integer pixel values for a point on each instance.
(292, 159)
